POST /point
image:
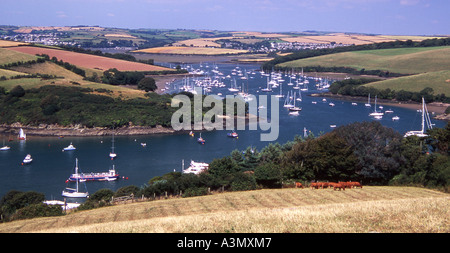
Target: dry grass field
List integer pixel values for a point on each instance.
(65, 78)
(356, 39)
(8, 43)
(291, 210)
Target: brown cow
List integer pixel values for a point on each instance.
(355, 184)
(339, 186)
(323, 185)
(298, 185)
(345, 184)
(314, 185)
(332, 184)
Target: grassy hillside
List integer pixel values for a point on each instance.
(10, 56)
(370, 209)
(398, 60)
(65, 78)
(439, 81)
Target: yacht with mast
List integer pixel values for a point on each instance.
(75, 192)
(112, 154)
(425, 119)
(375, 113)
(22, 135)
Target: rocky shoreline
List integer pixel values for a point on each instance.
(80, 131)
(56, 130)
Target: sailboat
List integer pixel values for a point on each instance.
(112, 154)
(294, 108)
(281, 91)
(22, 135)
(5, 147)
(368, 102)
(375, 114)
(268, 89)
(287, 101)
(74, 193)
(233, 87)
(425, 117)
(299, 96)
(201, 140)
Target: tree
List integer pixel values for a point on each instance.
(268, 175)
(378, 150)
(147, 84)
(17, 91)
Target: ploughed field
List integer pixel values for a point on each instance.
(89, 61)
(295, 210)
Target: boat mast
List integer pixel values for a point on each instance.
(76, 170)
(423, 115)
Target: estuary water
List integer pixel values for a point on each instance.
(137, 164)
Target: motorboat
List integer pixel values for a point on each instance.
(233, 134)
(27, 159)
(196, 167)
(70, 147)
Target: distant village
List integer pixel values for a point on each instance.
(63, 39)
(49, 39)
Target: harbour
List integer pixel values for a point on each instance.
(136, 164)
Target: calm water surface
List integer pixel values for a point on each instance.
(164, 153)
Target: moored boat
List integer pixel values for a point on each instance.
(27, 159)
(233, 134)
(111, 175)
(74, 192)
(201, 140)
(196, 167)
(425, 117)
(70, 147)
(22, 135)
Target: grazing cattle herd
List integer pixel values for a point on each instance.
(336, 186)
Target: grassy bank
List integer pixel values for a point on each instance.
(397, 60)
(370, 209)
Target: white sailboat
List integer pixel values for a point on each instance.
(5, 147)
(368, 102)
(112, 154)
(287, 101)
(233, 86)
(425, 117)
(22, 135)
(377, 115)
(294, 108)
(281, 92)
(267, 89)
(74, 193)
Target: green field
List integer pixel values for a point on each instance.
(439, 81)
(397, 60)
(10, 56)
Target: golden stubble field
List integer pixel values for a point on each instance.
(366, 210)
